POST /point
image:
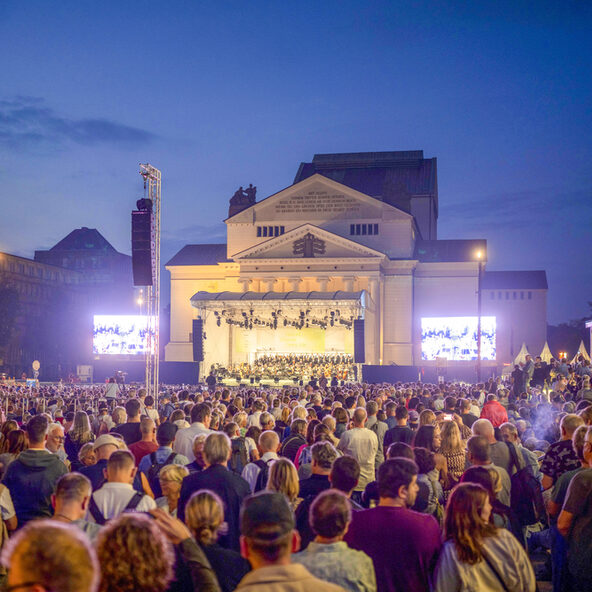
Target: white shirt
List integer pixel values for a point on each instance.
(112, 498)
(251, 470)
(362, 444)
(184, 439)
(253, 419)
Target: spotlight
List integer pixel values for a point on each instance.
(218, 321)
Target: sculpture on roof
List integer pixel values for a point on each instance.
(242, 199)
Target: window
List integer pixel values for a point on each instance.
(530, 295)
(267, 231)
(363, 229)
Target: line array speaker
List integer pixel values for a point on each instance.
(198, 353)
(359, 350)
(141, 248)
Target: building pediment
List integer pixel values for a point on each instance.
(308, 242)
(316, 198)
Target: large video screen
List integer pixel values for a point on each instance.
(122, 335)
(455, 338)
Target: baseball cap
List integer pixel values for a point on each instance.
(413, 416)
(266, 516)
(106, 439)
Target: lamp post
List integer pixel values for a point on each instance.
(479, 255)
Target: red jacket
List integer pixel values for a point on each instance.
(495, 412)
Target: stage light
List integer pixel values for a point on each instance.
(218, 321)
(479, 254)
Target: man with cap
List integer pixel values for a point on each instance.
(104, 447)
(268, 539)
(163, 455)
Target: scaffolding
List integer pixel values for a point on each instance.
(152, 178)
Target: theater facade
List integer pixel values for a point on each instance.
(346, 261)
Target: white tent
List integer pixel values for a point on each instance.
(521, 357)
(546, 354)
(581, 350)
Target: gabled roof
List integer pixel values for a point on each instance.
(440, 251)
(84, 239)
(327, 181)
(206, 254)
(519, 280)
(393, 177)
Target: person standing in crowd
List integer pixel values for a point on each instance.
(479, 456)
(231, 488)
(328, 557)
(104, 447)
(147, 444)
(403, 544)
(362, 444)
(494, 411)
(560, 456)
(267, 541)
(498, 451)
(131, 429)
(117, 495)
(283, 478)
(295, 440)
(170, 478)
(476, 555)
(204, 515)
(70, 503)
(55, 442)
(201, 416)
(31, 478)
(78, 435)
(256, 473)
(50, 555)
(378, 427)
(400, 432)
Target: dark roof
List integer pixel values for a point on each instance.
(392, 177)
(200, 255)
(525, 280)
(84, 239)
(436, 251)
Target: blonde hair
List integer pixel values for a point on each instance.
(283, 477)
(204, 514)
(80, 431)
(119, 415)
(451, 439)
(427, 417)
(173, 473)
(134, 555)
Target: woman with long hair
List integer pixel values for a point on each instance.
(341, 419)
(453, 450)
(7, 427)
(283, 477)
(16, 442)
(204, 516)
(428, 436)
(79, 434)
(476, 555)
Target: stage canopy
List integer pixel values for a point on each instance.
(200, 298)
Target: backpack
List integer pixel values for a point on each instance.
(98, 515)
(239, 457)
(526, 494)
(154, 470)
(262, 476)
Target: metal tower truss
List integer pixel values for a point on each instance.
(152, 178)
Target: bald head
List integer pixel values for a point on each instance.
(483, 427)
(269, 441)
(360, 417)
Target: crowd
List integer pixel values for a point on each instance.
(321, 368)
(389, 487)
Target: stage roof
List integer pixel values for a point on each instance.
(339, 295)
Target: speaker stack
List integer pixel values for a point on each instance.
(359, 347)
(142, 247)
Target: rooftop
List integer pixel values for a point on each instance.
(207, 254)
(84, 239)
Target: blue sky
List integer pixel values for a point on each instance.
(222, 94)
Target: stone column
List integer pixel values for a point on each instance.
(268, 283)
(323, 282)
(245, 283)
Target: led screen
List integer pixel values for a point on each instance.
(455, 338)
(122, 335)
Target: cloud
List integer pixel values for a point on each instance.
(26, 122)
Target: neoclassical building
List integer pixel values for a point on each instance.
(354, 237)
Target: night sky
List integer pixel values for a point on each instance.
(222, 94)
